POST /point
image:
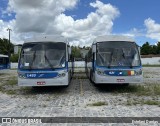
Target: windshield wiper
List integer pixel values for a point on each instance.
(126, 59)
(51, 66)
(34, 56)
(109, 66)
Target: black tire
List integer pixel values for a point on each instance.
(65, 86)
(126, 84)
(91, 77)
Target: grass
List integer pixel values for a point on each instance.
(142, 102)
(13, 69)
(147, 65)
(10, 92)
(1, 74)
(140, 90)
(13, 81)
(1, 88)
(7, 86)
(152, 102)
(80, 72)
(100, 103)
(80, 77)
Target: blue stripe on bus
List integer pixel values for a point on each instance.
(41, 75)
(119, 71)
(5, 66)
(119, 67)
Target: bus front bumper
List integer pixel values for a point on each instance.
(118, 79)
(58, 81)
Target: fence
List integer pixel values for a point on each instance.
(151, 61)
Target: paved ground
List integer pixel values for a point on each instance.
(80, 99)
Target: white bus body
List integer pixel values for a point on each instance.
(45, 61)
(114, 59)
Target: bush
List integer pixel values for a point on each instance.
(14, 58)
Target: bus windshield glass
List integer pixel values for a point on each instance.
(43, 55)
(117, 53)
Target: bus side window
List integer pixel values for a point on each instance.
(1, 60)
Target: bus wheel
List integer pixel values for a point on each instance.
(65, 86)
(126, 84)
(34, 87)
(91, 77)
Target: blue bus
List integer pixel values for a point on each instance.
(114, 59)
(4, 62)
(45, 61)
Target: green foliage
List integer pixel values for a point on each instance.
(150, 49)
(100, 103)
(6, 48)
(14, 58)
(146, 49)
(76, 52)
(158, 47)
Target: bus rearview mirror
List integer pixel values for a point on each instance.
(69, 50)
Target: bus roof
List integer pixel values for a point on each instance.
(46, 38)
(113, 38)
(1, 55)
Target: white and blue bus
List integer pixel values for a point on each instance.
(45, 61)
(4, 62)
(114, 59)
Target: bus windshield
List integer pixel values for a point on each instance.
(117, 53)
(43, 55)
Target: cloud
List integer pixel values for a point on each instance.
(96, 23)
(153, 29)
(48, 17)
(36, 15)
(15, 37)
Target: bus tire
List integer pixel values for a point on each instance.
(91, 77)
(65, 86)
(126, 84)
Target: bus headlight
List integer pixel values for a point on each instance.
(100, 72)
(138, 72)
(21, 76)
(61, 75)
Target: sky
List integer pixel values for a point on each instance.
(81, 20)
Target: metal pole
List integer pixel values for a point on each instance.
(9, 33)
(9, 53)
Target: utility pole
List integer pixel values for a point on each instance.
(9, 53)
(8, 29)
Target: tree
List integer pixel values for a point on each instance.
(14, 58)
(154, 49)
(6, 47)
(76, 52)
(146, 49)
(158, 48)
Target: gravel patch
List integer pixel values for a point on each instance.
(79, 99)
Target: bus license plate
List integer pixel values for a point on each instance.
(41, 83)
(120, 80)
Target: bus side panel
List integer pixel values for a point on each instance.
(70, 70)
